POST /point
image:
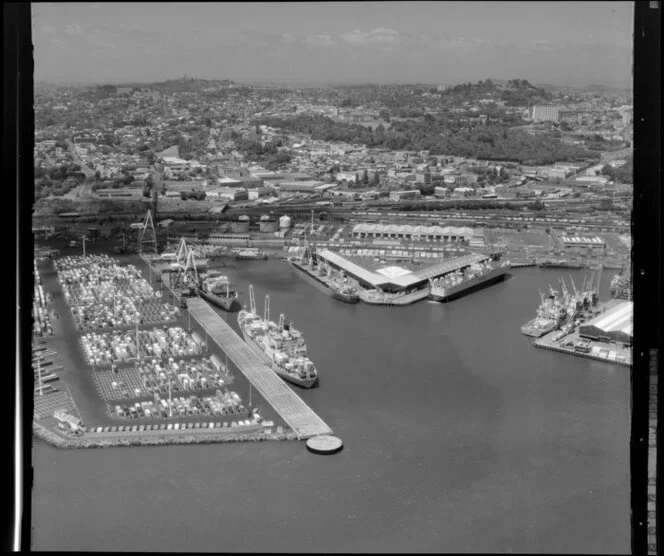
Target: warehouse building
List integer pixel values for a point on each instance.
(394, 231)
(615, 325)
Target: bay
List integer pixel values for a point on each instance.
(459, 436)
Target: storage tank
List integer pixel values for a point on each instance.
(240, 227)
(285, 222)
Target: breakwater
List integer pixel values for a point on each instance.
(160, 438)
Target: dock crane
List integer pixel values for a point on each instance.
(563, 287)
(181, 252)
(576, 293)
(147, 235)
(585, 280)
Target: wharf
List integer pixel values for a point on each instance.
(297, 414)
(400, 301)
(547, 342)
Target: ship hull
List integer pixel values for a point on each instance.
(260, 257)
(346, 298)
(304, 383)
(453, 292)
(229, 304)
(559, 265)
(529, 329)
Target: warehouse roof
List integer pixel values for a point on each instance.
(620, 318)
(413, 230)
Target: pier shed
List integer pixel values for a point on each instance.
(616, 324)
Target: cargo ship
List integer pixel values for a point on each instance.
(550, 263)
(321, 275)
(464, 281)
(216, 289)
(621, 284)
(562, 309)
(281, 345)
(250, 254)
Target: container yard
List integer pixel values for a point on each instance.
(114, 348)
(157, 377)
(222, 403)
(42, 325)
(153, 369)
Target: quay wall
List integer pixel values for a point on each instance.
(156, 438)
(539, 344)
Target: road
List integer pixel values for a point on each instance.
(84, 168)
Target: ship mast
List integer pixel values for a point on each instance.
(252, 299)
(266, 312)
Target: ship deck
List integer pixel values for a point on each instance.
(297, 414)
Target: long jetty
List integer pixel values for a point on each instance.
(297, 414)
(290, 407)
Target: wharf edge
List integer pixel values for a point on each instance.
(290, 407)
(299, 416)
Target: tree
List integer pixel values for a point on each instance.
(379, 134)
(365, 177)
(375, 179)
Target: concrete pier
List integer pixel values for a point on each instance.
(299, 416)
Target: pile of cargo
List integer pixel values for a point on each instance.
(101, 283)
(103, 294)
(70, 262)
(123, 312)
(103, 349)
(41, 325)
(155, 377)
(222, 403)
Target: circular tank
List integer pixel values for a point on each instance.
(285, 222)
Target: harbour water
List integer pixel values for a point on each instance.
(459, 436)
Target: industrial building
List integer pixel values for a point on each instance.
(615, 325)
(430, 233)
(583, 241)
(546, 113)
(396, 279)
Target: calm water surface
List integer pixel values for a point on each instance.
(458, 436)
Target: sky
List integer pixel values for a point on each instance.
(559, 43)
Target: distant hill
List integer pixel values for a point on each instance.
(515, 92)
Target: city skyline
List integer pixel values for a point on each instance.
(580, 43)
